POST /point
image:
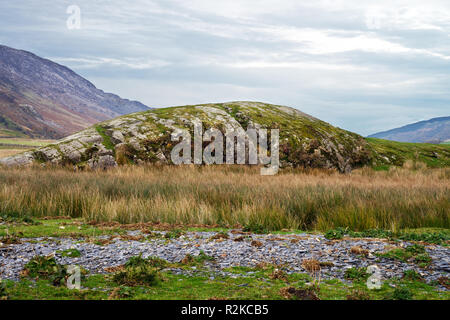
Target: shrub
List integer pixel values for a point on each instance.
(255, 228)
(356, 274)
(153, 262)
(45, 267)
(137, 275)
(335, 234)
(136, 261)
(431, 237)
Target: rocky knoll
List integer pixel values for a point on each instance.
(146, 137)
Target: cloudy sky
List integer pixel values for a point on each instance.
(365, 66)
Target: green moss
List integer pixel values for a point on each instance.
(415, 253)
(106, 138)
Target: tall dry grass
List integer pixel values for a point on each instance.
(316, 199)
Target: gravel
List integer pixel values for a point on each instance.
(287, 250)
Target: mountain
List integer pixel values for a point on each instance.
(435, 130)
(40, 98)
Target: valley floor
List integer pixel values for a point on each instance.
(12, 146)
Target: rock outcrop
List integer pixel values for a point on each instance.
(146, 137)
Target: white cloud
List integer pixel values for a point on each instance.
(349, 62)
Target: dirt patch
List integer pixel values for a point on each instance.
(300, 294)
(256, 243)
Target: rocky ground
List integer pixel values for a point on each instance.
(289, 251)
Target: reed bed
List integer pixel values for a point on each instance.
(233, 195)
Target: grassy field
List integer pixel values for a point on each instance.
(259, 285)
(400, 198)
(433, 155)
(14, 145)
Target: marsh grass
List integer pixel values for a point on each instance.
(233, 195)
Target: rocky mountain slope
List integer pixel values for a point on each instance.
(146, 137)
(40, 98)
(435, 130)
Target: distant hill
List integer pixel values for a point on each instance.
(40, 98)
(436, 130)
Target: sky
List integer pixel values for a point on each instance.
(365, 66)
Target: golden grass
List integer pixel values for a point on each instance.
(10, 152)
(316, 199)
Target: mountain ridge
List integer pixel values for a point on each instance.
(435, 130)
(44, 99)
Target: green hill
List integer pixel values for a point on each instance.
(304, 140)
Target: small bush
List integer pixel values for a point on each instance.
(431, 237)
(137, 275)
(153, 262)
(255, 227)
(335, 234)
(356, 274)
(136, 261)
(157, 262)
(42, 267)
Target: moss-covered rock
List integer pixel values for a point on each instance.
(146, 137)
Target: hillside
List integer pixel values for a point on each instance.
(435, 130)
(145, 137)
(42, 99)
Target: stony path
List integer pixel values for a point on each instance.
(289, 250)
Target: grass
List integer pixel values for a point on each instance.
(415, 253)
(427, 235)
(399, 153)
(250, 283)
(25, 142)
(231, 196)
(14, 145)
(55, 228)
